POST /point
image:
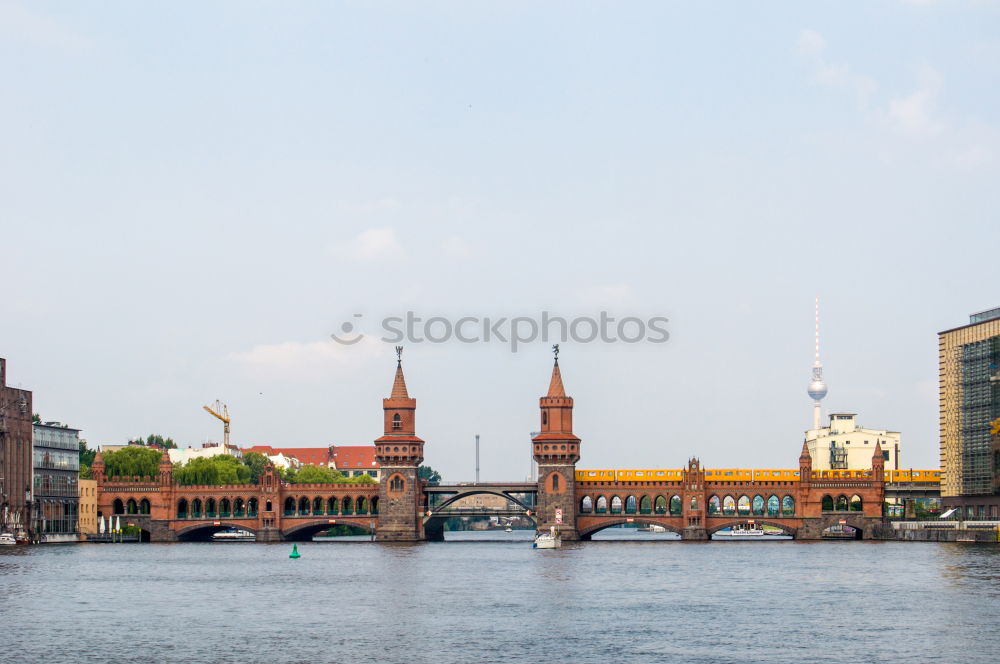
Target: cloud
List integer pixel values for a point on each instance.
(308, 360)
(17, 23)
(912, 114)
(607, 295)
(833, 74)
(810, 42)
(457, 247)
(374, 243)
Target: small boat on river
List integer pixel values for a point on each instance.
(742, 530)
(549, 540)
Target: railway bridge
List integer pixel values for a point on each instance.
(693, 502)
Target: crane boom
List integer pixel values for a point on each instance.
(221, 411)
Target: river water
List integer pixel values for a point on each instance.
(489, 597)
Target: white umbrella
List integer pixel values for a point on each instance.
(100, 525)
(118, 524)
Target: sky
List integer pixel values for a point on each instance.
(195, 196)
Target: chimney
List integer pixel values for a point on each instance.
(3, 372)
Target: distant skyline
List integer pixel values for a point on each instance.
(196, 198)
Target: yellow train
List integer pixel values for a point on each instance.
(913, 476)
(748, 475)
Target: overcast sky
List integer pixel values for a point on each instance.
(194, 196)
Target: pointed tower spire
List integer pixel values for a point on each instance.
(805, 465)
(556, 388)
(399, 383)
(399, 409)
(878, 460)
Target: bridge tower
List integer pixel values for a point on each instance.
(694, 504)
(557, 451)
(399, 452)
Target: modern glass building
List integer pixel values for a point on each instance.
(56, 493)
(969, 374)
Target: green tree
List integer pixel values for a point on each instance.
(218, 470)
(317, 475)
(154, 440)
(362, 479)
(427, 473)
(132, 461)
(86, 455)
(36, 418)
(86, 473)
(257, 463)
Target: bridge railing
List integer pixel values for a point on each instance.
(236, 514)
(337, 512)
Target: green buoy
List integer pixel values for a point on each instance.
(295, 552)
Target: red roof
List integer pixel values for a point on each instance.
(354, 457)
(344, 456)
(310, 456)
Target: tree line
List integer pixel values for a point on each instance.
(143, 460)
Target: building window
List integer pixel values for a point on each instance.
(397, 422)
(396, 483)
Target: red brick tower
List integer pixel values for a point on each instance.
(399, 453)
(557, 450)
(873, 504)
(694, 501)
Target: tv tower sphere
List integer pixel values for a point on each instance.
(817, 388)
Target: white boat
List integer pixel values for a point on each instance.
(508, 529)
(234, 535)
(7, 539)
(652, 528)
(549, 540)
(742, 530)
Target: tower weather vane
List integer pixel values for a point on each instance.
(555, 352)
(399, 355)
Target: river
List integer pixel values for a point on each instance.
(489, 597)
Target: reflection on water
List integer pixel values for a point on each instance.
(490, 597)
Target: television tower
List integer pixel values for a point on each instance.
(817, 387)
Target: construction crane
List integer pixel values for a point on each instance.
(221, 411)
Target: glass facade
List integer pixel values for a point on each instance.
(980, 405)
(56, 478)
(982, 316)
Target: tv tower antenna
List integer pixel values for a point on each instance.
(817, 387)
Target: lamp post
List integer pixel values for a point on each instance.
(27, 513)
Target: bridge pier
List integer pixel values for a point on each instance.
(695, 534)
(269, 535)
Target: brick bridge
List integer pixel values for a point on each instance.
(402, 507)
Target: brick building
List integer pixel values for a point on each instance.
(15, 453)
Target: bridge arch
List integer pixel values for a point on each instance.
(202, 532)
(476, 491)
(590, 531)
(785, 528)
(304, 532)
